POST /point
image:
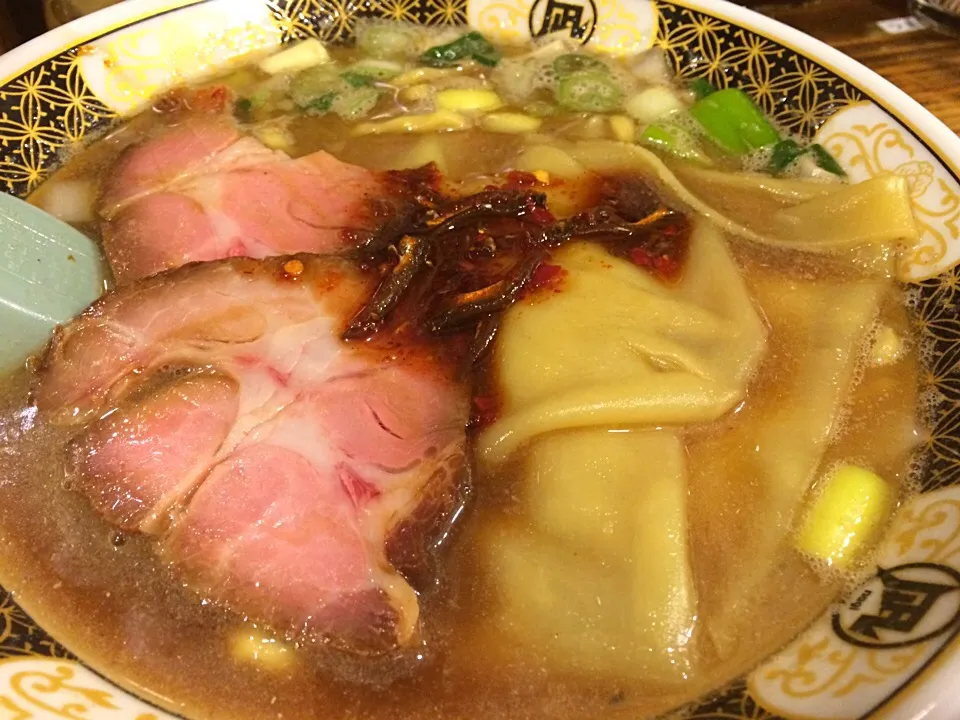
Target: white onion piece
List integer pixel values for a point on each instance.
(70, 200)
(550, 46)
(806, 167)
(301, 56)
(653, 104)
(651, 67)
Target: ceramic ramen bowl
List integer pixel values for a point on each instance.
(890, 648)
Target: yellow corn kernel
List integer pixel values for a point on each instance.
(468, 101)
(240, 80)
(536, 138)
(623, 128)
(253, 645)
(422, 75)
(415, 93)
(274, 137)
(593, 128)
(426, 150)
(513, 123)
(542, 176)
(845, 516)
(887, 347)
(433, 122)
(301, 56)
(552, 159)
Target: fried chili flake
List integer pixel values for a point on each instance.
(662, 265)
(485, 411)
(213, 100)
(544, 275)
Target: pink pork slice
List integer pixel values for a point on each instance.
(200, 190)
(283, 471)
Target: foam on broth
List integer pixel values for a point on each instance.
(108, 598)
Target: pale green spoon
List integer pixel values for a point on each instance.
(49, 272)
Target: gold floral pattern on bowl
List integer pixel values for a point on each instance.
(82, 89)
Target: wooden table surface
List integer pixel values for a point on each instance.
(924, 63)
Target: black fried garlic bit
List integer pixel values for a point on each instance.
(414, 231)
(481, 345)
(591, 226)
(412, 254)
(466, 308)
(487, 204)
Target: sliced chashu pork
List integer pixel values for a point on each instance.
(284, 472)
(201, 190)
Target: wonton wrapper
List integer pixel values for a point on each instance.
(615, 346)
(612, 347)
(864, 223)
(827, 323)
(598, 578)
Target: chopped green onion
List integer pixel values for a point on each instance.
(672, 139)
(243, 109)
(356, 103)
(539, 108)
(355, 79)
(826, 161)
(312, 84)
(659, 136)
(702, 87)
(387, 40)
(320, 105)
(260, 97)
(320, 90)
(376, 69)
(472, 46)
(784, 154)
(269, 91)
(733, 121)
(575, 62)
(588, 91)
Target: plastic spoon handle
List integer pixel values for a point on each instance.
(49, 272)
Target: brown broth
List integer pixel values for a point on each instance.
(117, 607)
(125, 614)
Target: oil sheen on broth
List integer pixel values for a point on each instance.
(532, 592)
